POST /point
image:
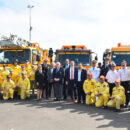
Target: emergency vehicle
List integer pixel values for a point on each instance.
(76, 53)
(118, 54)
(14, 47)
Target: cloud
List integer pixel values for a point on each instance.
(97, 24)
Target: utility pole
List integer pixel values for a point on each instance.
(30, 26)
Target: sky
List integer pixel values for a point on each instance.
(98, 24)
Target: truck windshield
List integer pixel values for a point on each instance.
(77, 58)
(8, 56)
(118, 57)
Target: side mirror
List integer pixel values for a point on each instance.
(50, 52)
(38, 58)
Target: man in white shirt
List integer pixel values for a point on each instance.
(81, 76)
(111, 76)
(94, 70)
(123, 72)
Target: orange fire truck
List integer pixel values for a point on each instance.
(77, 53)
(118, 54)
(13, 47)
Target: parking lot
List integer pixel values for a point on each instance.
(50, 115)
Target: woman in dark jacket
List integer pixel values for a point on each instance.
(40, 79)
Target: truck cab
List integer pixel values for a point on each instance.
(8, 55)
(120, 53)
(77, 53)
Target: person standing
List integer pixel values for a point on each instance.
(11, 74)
(27, 67)
(71, 81)
(95, 71)
(111, 76)
(105, 67)
(118, 96)
(15, 67)
(89, 89)
(58, 76)
(123, 72)
(4, 73)
(40, 80)
(31, 76)
(65, 67)
(50, 78)
(45, 68)
(102, 93)
(80, 78)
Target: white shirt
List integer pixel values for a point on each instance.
(106, 65)
(123, 74)
(112, 76)
(79, 75)
(51, 70)
(96, 73)
(70, 72)
(66, 66)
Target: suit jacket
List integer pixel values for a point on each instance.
(50, 74)
(104, 70)
(65, 73)
(67, 77)
(59, 74)
(83, 75)
(45, 69)
(65, 66)
(40, 77)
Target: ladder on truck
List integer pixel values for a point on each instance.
(13, 41)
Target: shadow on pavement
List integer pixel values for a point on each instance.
(117, 120)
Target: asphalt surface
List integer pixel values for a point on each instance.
(50, 115)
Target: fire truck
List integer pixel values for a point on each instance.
(118, 54)
(76, 53)
(14, 47)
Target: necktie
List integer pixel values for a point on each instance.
(71, 73)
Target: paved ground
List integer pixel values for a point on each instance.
(48, 115)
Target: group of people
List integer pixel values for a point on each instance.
(17, 80)
(104, 87)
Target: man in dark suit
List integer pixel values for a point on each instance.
(65, 90)
(50, 78)
(105, 67)
(70, 81)
(58, 76)
(45, 68)
(81, 76)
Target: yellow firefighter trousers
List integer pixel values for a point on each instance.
(102, 100)
(9, 94)
(24, 94)
(19, 90)
(116, 102)
(90, 99)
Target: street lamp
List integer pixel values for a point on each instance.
(30, 27)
